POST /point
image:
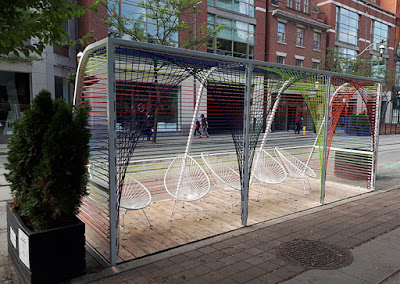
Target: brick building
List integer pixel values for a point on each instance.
(293, 32)
(358, 29)
(296, 34)
(393, 116)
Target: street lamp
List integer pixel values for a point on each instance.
(381, 47)
(79, 56)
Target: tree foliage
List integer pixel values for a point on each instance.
(27, 26)
(167, 19)
(47, 157)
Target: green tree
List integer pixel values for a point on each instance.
(27, 26)
(167, 18)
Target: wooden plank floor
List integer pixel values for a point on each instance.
(186, 227)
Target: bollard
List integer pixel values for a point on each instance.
(304, 130)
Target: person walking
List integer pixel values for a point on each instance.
(197, 128)
(299, 124)
(204, 124)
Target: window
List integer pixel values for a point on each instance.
(317, 41)
(289, 3)
(345, 62)
(347, 24)
(245, 7)
(305, 6)
(300, 37)
(281, 31)
(299, 62)
(380, 32)
(131, 10)
(280, 59)
(343, 52)
(235, 39)
(315, 65)
(378, 66)
(298, 5)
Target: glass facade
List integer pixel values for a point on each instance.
(235, 39)
(14, 98)
(138, 20)
(347, 25)
(379, 33)
(346, 54)
(378, 66)
(245, 7)
(343, 52)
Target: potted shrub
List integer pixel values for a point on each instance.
(47, 157)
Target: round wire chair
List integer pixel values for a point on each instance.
(267, 169)
(296, 168)
(224, 176)
(186, 181)
(134, 196)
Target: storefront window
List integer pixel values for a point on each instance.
(14, 99)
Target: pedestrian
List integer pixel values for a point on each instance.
(148, 130)
(197, 128)
(204, 124)
(299, 124)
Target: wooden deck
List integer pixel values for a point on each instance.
(274, 202)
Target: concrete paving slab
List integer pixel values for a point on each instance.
(5, 193)
(326, 277)
(373, 263)
(393, 279)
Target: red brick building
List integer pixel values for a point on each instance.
(358, 29)
(296, 34)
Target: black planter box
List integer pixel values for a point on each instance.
(49, 256)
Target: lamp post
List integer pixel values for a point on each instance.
(79, 56)
(382, 47)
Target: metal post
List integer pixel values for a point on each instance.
(246, 147)
(112, 152)
(376, 137)
(323, 122)
(325, 149)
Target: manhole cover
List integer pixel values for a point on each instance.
(314, 254)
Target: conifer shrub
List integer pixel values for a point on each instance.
(47, 156)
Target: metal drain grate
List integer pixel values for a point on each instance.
(314, 254)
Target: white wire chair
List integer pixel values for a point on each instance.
(224, 176)
(134, 196)
(296, 168)
(267, 169)
(186, 181)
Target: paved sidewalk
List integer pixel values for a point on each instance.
(248, 255)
